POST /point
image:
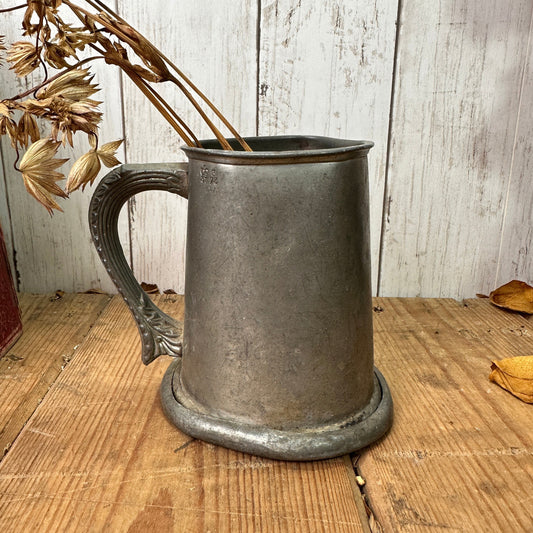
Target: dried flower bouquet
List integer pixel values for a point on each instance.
(64, 98)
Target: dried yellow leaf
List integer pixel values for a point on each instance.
(2, 46)
(68, 117)
(84, 171)
(7, 124)
(27, 129)
(515, 296)
(86, 168)
(515, 374)
(56, 56)
(38, 172)
(24, 56)
(74, 85)
(41, 8)
(107, 153)
(71, 38)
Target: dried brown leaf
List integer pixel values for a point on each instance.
(38, 172)
(515, 374)
(515, 296)
(56, 55)
(38, 8)
(2, 46)
(57, 295)
(140, 45)
(71, 38)
(7, 124)
(41, 8)
(24, 57)
(149, 288)
(84, 171)
(74, 85)
(86, 168)
(27, 129)
(95, 291)
(107, 153)
(68, 117)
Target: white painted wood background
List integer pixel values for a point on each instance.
(443, 88)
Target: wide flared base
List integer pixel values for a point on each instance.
(322, 442)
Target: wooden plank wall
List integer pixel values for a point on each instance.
(444, 89)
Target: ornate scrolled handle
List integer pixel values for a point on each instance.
(160, 334)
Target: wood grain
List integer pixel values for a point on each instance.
(52, 330)
(455, 112)
(326, 69)
(220, 57)
(460, 454)
(98, 455)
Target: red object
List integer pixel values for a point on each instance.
(10, 323)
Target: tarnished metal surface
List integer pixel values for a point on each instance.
(277, 336)
(305, 444)
(160, 334)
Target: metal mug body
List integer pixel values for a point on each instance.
(278, 325)
(275, 355)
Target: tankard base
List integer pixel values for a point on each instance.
(349, 435)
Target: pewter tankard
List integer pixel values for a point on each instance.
(275, 355)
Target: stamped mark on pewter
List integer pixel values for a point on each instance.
(208, 176)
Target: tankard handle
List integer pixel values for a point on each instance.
(160, 334)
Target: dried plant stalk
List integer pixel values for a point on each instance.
(64, 99)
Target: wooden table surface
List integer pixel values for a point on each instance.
(87, 447)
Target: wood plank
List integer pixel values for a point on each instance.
(56, 252)
(326, 69)
(52, 330)
(220, 58)
(99, 455)
(455, 112)
(514, 259)
(460, 453)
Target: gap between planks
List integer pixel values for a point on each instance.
(98, 454)
(460, 452)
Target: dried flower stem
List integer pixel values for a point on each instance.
(22, 6)
(212, 106)
(153, 96)
(173, 113)
(15, 163)
(65, 100)
(50, 80)
(144, 87)
(146, 90)
(221, 139)
(97, 4)
(43, 64)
